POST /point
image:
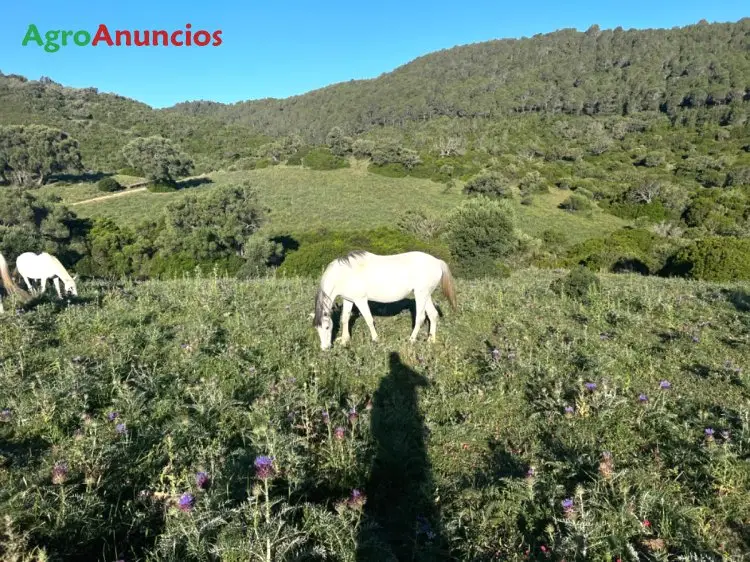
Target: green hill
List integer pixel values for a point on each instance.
(597, 72)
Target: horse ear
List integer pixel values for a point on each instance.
(75, 278)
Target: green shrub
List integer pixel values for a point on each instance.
(419, 224)
(130, 171)
(363, 148)
(108, 184)
(251, 163)
(554, 238)
(323, 159)
(652, 212)
(576, 203)
(481, 232)
(584, 192)
(532, 182)
(713, 259)
(491, 184)
(161, 187)
(391, 170)
(318, 249)
(626, 250)
(578, 284)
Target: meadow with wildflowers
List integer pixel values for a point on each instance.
(197, 419)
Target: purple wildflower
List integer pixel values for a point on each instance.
(642, 398)
(202, 480)
(339, 432)
(264, 467)
(112, 416)
(696, 339)
(353, 415)
(60, 472)
(590, 386)
(326, 417)
(531, 472)
(121, 429)
(186, 502)
(569, 410)
(665, 385)
(496, 354)
(357, 499)
(5, 415)
(567, 504)
(709, 432)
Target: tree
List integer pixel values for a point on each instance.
(339, 144)
(492, 184)
(214, 226)
(158, 158)
(480, 232)
(30, 153)
(29, 223)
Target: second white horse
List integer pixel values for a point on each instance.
(42, 267)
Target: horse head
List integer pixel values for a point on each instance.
(70, 286)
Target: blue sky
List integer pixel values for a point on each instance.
(282, 48)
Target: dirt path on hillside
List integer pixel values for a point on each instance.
(110, 196)
(132, 188)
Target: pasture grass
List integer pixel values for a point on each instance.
(465, 449)
(346, 199)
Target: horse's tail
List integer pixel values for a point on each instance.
(10, 286)
(447, 284)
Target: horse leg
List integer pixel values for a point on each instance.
(432, 314)
(365, 311)
(43, 285)
(345, 313)
(28, 285)
(421, 302)
(56, 281)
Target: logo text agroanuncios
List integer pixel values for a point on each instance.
(54, 39)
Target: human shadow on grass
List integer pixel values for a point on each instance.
(400, 520)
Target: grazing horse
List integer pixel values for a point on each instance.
(7, 282)
(361, 276)
(42, 267)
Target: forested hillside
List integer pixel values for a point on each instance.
(608, 72)
(568, 131)
(104, 123)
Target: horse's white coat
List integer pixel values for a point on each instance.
(362, 276)
(43, 267)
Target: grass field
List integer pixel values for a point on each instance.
(536, 427)
(348, 199)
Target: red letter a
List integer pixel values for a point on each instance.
(102, 34)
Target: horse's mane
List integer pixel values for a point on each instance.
(59, 264)
(347, 259)
(322, 306)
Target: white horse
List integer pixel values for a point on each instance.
(361, 276)
(7, 282)
(42, 267)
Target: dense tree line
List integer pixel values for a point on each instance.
(597, 72)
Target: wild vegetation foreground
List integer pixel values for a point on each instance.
(198, 420)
